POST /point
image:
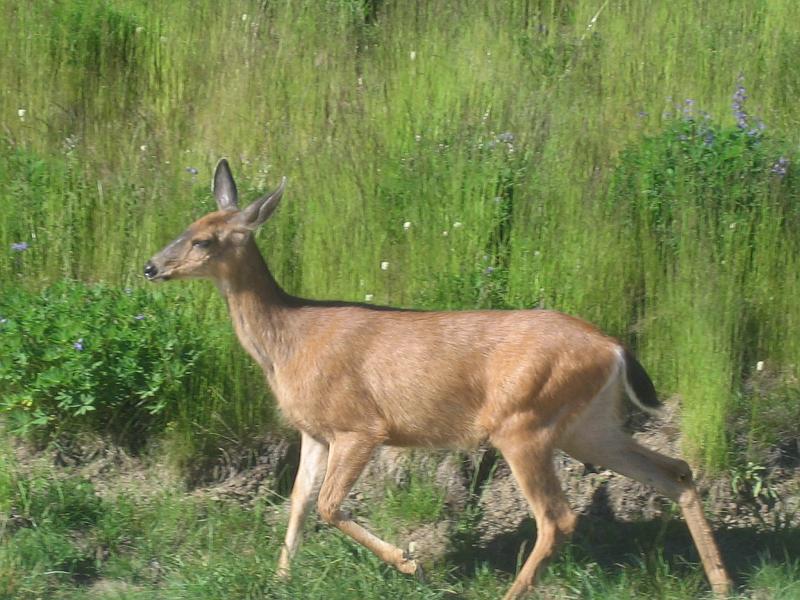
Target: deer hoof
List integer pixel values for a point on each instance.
(409, 566)
(722, 589)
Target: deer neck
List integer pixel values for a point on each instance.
(258, 307)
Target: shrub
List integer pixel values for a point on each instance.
(79, 355)
(697, 167)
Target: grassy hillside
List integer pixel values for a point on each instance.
(585, 156)
(630, 162)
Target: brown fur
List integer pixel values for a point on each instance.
(352, 377)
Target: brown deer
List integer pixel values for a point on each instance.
(352, 376)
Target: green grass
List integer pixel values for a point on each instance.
(419, 501)
(65, 541)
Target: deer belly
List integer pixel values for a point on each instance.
(396, 421)
(449, 421)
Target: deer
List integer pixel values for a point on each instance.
(351, 377)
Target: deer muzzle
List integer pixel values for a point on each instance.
(150, 270)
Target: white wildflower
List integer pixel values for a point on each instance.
(21, 113)
(368, 297)
(407, 225)
(384, 265)
(413, 55)
(760, 365)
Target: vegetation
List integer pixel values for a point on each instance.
(74, 352)
(420, 501)
(632, 163)
(62, 539)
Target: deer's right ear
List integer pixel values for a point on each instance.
(254, 215)
(224, 187)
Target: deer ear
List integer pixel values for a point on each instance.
(259, 211)
(224, 187)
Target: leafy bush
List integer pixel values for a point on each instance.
(91, 355)
(725, 173)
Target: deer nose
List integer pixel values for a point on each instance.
(150, 270)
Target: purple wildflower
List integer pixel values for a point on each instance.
(708, 138)
(78, 345)
(743, 120)
(191, 170)
(739, 97)
(139, 317)
(489, 270)
(20, 246)
(780, 166)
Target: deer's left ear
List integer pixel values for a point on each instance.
(259, 211)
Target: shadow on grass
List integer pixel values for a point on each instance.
(614, 545)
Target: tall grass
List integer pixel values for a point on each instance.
(497, 131)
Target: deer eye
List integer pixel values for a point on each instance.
(204, 243)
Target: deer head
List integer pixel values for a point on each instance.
(209, 244)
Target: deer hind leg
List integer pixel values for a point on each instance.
(598, 439)
(313, 456)
(349, 454)
(530, 457)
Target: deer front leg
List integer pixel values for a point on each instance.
(313, 456)
(349, 454)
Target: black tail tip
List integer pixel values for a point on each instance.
(639, 381)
